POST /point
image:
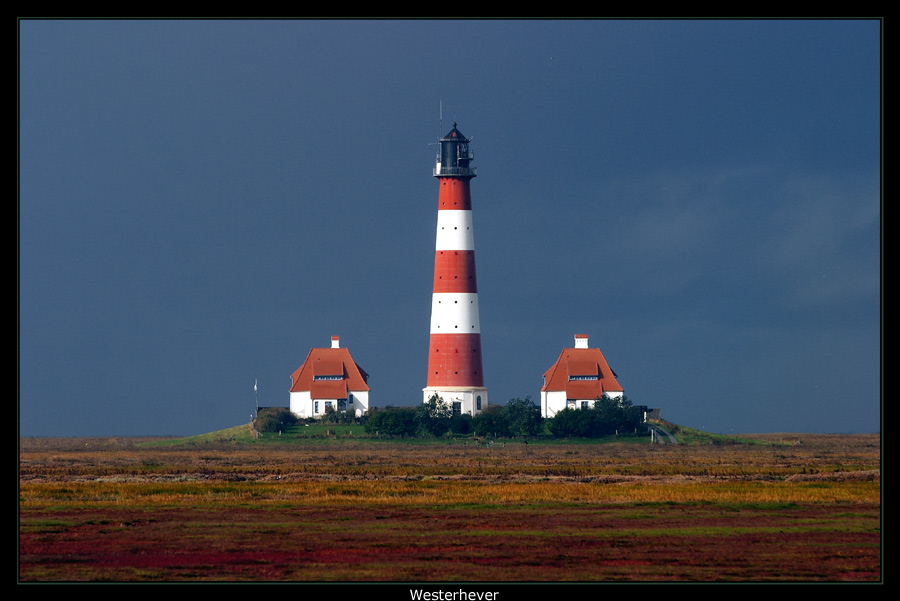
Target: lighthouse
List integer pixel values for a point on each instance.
(454, 352)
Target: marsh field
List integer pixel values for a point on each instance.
(334, 508)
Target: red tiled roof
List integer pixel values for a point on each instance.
(577, 367)
(328, 389)
(329, 362)
(585, 390)
(328, 367)
(581, 362)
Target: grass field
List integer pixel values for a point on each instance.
(324, 507)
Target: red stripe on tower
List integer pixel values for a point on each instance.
(454, 354)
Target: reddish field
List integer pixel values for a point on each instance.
(368, 512)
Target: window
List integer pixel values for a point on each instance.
(585, 405)
(478, 401)
(316, 409)
(575, 378)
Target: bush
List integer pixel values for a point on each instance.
(570, 423)
(517, 418)
(274, 419)
(337, 417)
(607, 416)
(461, 424)
(491, 422)
(391, 421)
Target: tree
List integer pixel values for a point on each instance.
(491, 422)
(570, 423)
(607, 416)
(433, 416)
(619, 415)
(523, 418)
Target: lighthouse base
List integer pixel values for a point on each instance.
(464, 400)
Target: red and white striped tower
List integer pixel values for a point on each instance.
(454, 354)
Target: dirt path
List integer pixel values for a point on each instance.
(662, 433)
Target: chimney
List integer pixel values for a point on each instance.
(581, 341)
(335, 342)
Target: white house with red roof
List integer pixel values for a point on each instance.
(329, 379)
(578, 377)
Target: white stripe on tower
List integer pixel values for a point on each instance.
(454, 230)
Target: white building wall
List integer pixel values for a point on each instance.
(301, 404)
(360, 404)
(466, 397)
(552, 401)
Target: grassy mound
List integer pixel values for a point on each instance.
(686, 435)
(321, 432)
(237, 434)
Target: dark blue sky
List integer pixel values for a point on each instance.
(200, 202)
